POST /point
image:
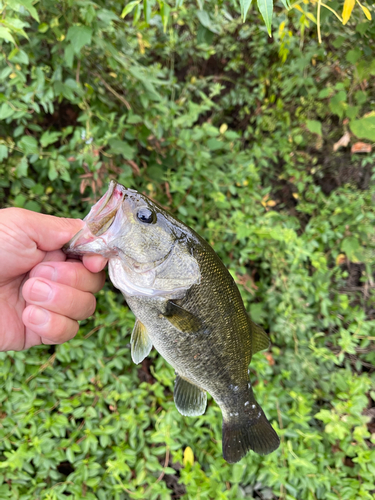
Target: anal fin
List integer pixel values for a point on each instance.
(140, 341)
(189, 399)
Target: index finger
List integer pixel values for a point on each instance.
(70, 273)
(94, 263)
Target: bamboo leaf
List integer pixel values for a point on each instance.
(265, 8)
(365, 11)
(347, 10)
(164, 12)
(147, 10)
(137, 14)
(128, 8)
(311, 16)
(286, 3)
(245, 4)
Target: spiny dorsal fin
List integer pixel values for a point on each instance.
(260, 340)
(181, 319)
(189, 399)
(140, 343)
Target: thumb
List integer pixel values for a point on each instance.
(48, 232)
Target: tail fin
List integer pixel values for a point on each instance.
(249, 431)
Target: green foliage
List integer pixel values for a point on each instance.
(234, 134)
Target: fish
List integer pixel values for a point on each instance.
(187, 306)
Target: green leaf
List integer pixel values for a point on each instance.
(19, 201)
(134, 119)
(43, 28)
(353, 55)
(6, 35)
(3, 152)
(79, 36)
(52, 171)
(352, 248)
(5, 72)
(128, 8)
(286, 3)
(205, 20)
(164, 12)
(122, 148)
(266, 8)
(245, 4)
(147, 10)
(29, 145)
(21, 169)
(364, 128)
(137, 14)
(28, 4)
(18, 56)
(213, 144)
(70, 455)
(68, 56)
(49, 138)
(33, 205)
(338, 104)
(314, 126)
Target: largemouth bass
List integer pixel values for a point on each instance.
(187, 306)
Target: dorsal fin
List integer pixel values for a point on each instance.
(259, 338)
(140, 341)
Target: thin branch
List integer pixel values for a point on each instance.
(333, 11)
(98, 328)
(318, 21)
(45, 365)
(113, 91)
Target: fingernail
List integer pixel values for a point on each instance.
(46, 271)
(38, 316)
(40, 291)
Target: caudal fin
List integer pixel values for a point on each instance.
(248, 432)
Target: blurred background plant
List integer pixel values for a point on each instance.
(265, 147)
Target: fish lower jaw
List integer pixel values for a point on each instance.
(121, 280)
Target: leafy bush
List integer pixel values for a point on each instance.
(234, 133)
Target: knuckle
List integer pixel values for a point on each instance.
(61, 329)
(72, 302)
(75, 277)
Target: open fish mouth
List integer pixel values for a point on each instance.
(91, 239)
(144, 267)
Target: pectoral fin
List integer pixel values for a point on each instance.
(189, 399)
(260, 340)
(140, 343)
(182, 319)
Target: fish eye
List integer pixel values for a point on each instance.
(145, 215)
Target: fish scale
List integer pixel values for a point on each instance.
(187, 306)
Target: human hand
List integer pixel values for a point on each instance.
(42, 293)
